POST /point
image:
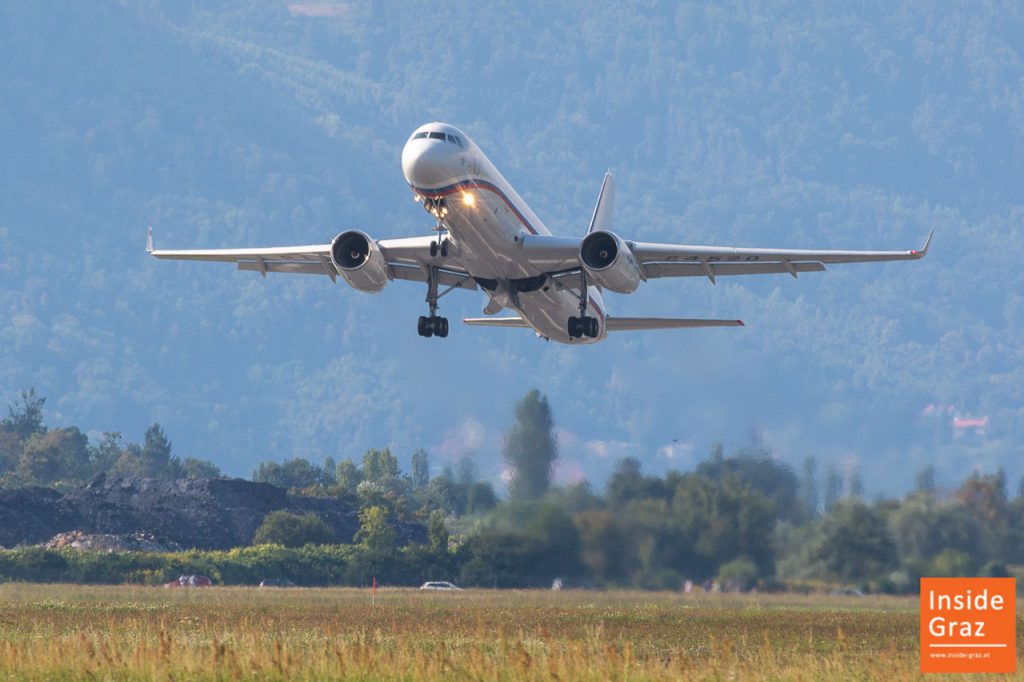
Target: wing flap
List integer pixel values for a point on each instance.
(622, 324)
(310, 254)
(656, 270)
(298, 268)
(446, 277)
(558, 255)
(516, 322)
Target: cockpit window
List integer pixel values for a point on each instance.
(448, 137)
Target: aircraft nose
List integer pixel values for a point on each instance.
(430, 163)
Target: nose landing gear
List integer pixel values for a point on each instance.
(442, 248)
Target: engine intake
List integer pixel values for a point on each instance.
(609, 262)
(359, 260)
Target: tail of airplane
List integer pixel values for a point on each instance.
(602, 218)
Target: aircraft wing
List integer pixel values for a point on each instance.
(560, 256)
(407, 259)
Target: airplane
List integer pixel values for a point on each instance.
(488, 238)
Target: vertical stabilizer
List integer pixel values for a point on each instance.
(602, 219)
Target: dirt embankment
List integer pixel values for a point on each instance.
(206, 513)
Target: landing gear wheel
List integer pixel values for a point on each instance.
(574, 328)
(579, 327)
(441, 326)
(424, 326)
(433, 249)
(444, 248)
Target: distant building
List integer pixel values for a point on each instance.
(975, 426)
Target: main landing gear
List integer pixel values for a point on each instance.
(584, 325)
(432, 325)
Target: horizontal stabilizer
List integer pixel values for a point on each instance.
(622, 324)
(496, 322)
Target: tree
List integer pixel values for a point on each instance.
(292, 530)
(58, 455)
(480, 498)
(329, 470)
(531, 448)
(375, 532)
(347, 477)
(420, 470)
(627, 483)
(856, 483)
(25, 418)
(833, 489)
(926, 480)
(755, 468)
(809, 486)
(602, 543)
(293, 473)
(921, 529)
(437, 534)
(156, 457)
(722, 521)
(199, 468)
(380, 466)
(105, 454)
(856, 544)
(466, 471)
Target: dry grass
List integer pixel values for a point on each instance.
(74, 632)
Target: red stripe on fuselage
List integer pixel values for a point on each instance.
(463, 185)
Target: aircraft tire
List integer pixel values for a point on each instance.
(424, 327)
(574, 328)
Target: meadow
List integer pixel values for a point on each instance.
(126, 632)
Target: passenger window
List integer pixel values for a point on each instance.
(419, 136)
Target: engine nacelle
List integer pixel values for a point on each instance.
(359, 260)
(609, 262)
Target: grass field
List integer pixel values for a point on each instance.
(76, 632)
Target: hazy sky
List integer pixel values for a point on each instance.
(235, 125)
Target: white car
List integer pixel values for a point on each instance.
(439, 585)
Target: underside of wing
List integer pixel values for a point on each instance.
(560, 257)
(622, 324)
(516, 322)
(406, 258)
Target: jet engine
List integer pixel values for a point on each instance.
(609, 262)
(359, 260)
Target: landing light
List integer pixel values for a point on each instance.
(468, 199)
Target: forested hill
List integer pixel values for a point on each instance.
(254, 123)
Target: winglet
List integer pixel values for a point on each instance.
(924, 249)
(149, 240)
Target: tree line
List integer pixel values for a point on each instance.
(739, 520)
(33, 454)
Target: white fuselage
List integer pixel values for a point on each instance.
(486, 222)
